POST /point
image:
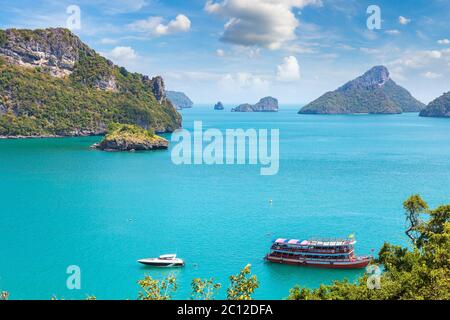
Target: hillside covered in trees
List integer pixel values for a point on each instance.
(52, 84)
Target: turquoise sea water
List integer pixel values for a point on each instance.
(63, 204)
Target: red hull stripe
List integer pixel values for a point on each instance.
(324, 264)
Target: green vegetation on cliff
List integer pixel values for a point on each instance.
(117, 130)
(374, 92)
(439, 108)
(94, 92)
(126, 137)
(3, 37)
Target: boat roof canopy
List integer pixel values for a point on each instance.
(317, 242)
(168, 256)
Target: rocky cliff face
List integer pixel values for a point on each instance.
(373, 92)
(374, 78)
(158, 87)
(53, 84)
(267, 104)
(439, 108)
(56, 50)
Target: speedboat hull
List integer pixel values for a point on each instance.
(161, 263)
(346, 264)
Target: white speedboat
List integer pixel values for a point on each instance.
(167, 260)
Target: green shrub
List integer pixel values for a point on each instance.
(3, 38)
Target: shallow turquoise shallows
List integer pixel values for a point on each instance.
(63, 204)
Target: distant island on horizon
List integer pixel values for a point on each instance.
(179, 100)
(267, 104)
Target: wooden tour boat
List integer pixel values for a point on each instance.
(322, 253)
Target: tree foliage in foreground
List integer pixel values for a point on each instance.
(243, 285)
(204, 289)
(420, 273)
(4, 295)
(157, 289)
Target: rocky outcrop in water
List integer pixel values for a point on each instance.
(122, 137)
(267, 104)
(438, 108)
(374, 92)
(219, 106)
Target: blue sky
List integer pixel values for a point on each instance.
(238, 51)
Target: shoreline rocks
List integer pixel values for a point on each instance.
(118, 145)
(124, 137)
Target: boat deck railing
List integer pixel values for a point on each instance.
(331, 241)
(306, 249)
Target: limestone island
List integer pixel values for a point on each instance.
(219, 106)
(372, 93)
(129, 137)
(438, 108)
(54, 85)
(179, 100)
(267, 104)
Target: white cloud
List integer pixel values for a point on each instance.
(289, 70)
(249, 52)
(444, 41)
(429, 64)
(121, 6)
(435, 54)
(122, 55)
(243, 80)
(344, 46)
(108, 41)
(418, 59)
(393, 32)
(298, 49)
(220, 53)
(263, 23)
(431, 75)
(404, 21)
(156, 26)
(370, 50)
